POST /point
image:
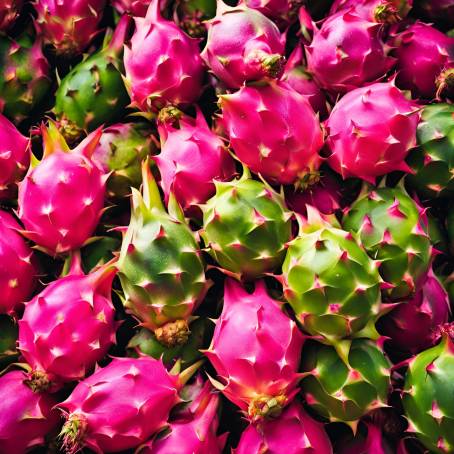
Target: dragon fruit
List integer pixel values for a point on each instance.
(393, 231)
(422, 53)
(370, 132)
(283, 12)
(9, 11)
(294, 432)
(64, 178)
(161, 268)
(260, 373)
(428, 395)
(69, 326)
(246, 227)
(156, 72)
(243, 45)
(347, 52)
(191, 158)
(14, 156)
(120, 406)
(274, 131)
(387, 11)
(137, 8)
(68, 25)
(18, 271)
(328, 279)
(26, 417)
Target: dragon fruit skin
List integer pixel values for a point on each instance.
(258, 374)
(137, 8)
(26, 417)
(373, 443)
(14, 156)
(120, 406)
(68, 25)
(242, 45)
(347, 52)
(422, 54)
(9, 10)
(370, 132)
(191, 158)
(388, 11)
(273, 130)
(64, 178)
(18, 272)
(282, 12)
(293, 432)
(156, 73)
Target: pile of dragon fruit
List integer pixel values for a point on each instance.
(226, 228)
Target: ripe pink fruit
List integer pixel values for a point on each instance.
(281, 11)
(294, 432)
(18, 272)
(68, 25)
(347, 52)
(374, 443)
(9, 10)
(256, 351)
(191, 158)
(273, 130)
(388, 11)
(61, 199)
(370, 131)
(137, 8)
(422, 54)
(242, 45)
(26, 417)
(120, 406)
(162, 63)
(14, 156)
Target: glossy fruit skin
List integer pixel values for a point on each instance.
(137, 8)
(384, 11)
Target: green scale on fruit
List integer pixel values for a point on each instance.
(161, 268)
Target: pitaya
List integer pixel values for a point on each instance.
(26, 417)
(137, 8)
(274, 131)
(9, 10)
(328, 279)
(283, 12)
(370, 132)
(68, 25)
(161, 268)
(163, 64)
(69, 326)
(24, 77)
(18, 271)
(429, 395)
(246, 227)
(293, 432)
(191, 158)
(14, 156)
(347, 52)
(441, 11)
(243, 45)
(62, 197)
(422, 54)
(393, 231)
(387, 11)
(445, 83)
(120, 406)
(260, 373)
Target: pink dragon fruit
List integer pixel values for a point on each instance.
(347, 52)
(282, 12)
(18, 273)
(191, 158)
(294, 432)
(137, 8)
(370, 132)
(243, 45)
(422, 54)
(373, 443)
(69, 326)
(162, 63)
(120, 406)
(299, 79)
(273, 130)
(388, 11)
(61, 199)
(14, 156)
(258, 374)
(26, 417)
(68, 25)
(9, 10)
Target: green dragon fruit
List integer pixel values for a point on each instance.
(161, 268)
(346, 384)
(329, 280)
(393, 230)
(429, 395)
(246, 227)
(93, 93)
(433, 160)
